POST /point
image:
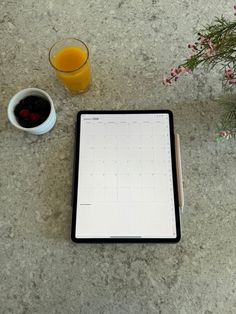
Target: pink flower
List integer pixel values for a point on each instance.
(226, 134)
(202, 39)
(223, 133)
(211, 45)
(193, 47)
(229, 74)
(210, 53)
(166, 82)
(174, 72)
(232, 81)
(182, 69)
(207, 42)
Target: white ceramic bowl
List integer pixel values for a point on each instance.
(46, 126)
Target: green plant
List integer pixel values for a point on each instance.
(215, 46)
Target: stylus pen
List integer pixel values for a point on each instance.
(179, 172)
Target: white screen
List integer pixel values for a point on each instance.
(125, 184)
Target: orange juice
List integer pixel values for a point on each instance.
(73, 68)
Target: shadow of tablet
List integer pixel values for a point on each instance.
(56, 181)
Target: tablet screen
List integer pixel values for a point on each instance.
(125, 184)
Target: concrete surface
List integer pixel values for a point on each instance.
(133, 44)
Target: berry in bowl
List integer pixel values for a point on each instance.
(32, 110)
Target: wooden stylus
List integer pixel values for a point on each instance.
(179, 172)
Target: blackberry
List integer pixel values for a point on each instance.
(32, 111)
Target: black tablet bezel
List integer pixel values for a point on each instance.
(75, 184)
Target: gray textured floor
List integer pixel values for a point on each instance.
(133, 44)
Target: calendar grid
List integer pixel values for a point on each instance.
(126, 162)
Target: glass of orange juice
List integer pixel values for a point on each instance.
(70, 58)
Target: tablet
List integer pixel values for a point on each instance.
(125, 185)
